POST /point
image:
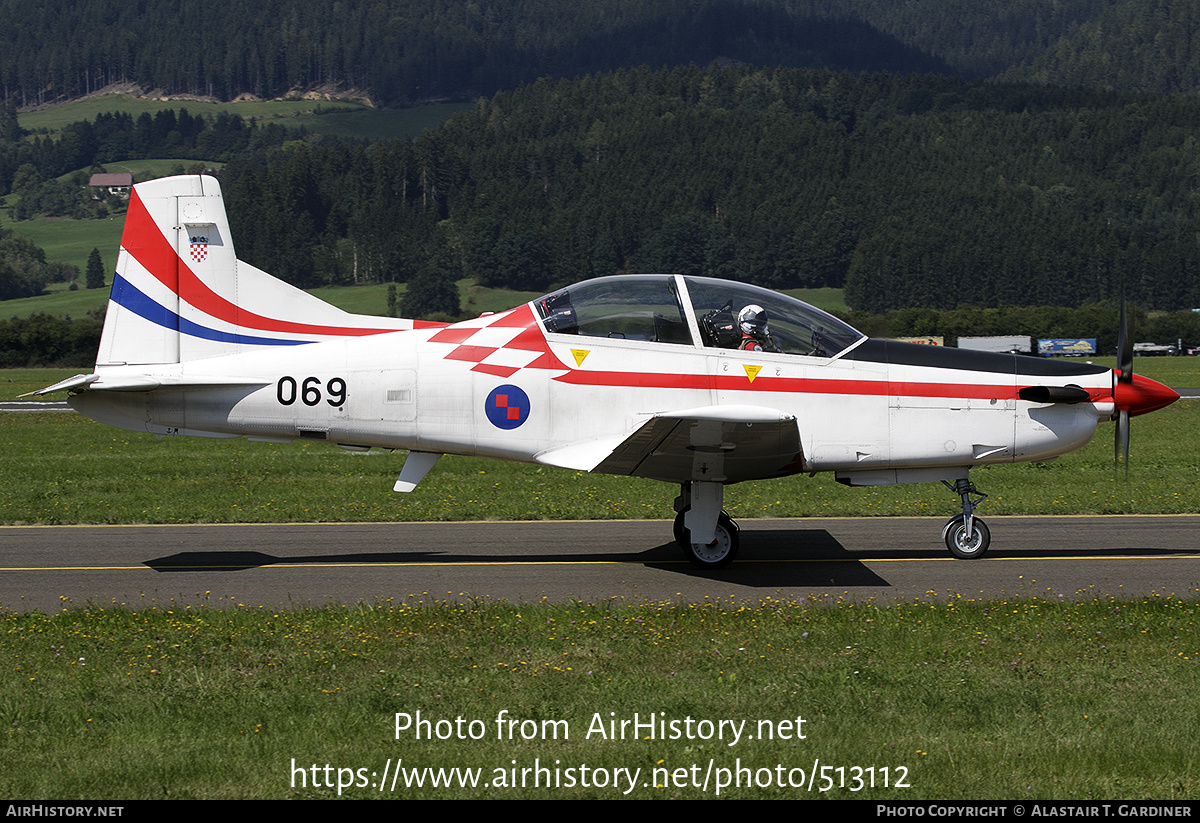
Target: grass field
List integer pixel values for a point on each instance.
(1029, 699)
(66, 241)
(52, 119)
(338, 117)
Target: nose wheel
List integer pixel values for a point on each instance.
(715, 555)
(966, 543)
(967, 537)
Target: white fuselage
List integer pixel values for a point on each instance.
(411, 390)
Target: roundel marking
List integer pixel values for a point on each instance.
(507, 407)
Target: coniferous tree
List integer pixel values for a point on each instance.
(95, 270)
(433, 292)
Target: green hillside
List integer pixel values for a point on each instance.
(1136, 45)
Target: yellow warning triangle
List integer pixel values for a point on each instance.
(579, 354)
(751, 371)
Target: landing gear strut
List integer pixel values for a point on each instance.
(967, 537)
(720, 551)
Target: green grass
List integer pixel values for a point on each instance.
(341, 117)
(160, 167)
(68, 241)
(369, 299)
(1028, 698)
(477, 299)
(73, 240)
(60, 302)
(15, 382)
(372, 299)
(51, 120)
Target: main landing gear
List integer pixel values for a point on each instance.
(715, 555)
(706, 500)
(967, 537)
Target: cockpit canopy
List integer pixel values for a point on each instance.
(666, 308)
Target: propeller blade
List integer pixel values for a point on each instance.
(1124, 376)
(1121, 444)
(1125, 348)
(1132, 394)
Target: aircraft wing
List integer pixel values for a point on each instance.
(723, 444)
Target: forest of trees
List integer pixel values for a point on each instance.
(856, 160)
(907, 191)
(44, 340)
(1136, 45)
(24, 270)
(402, 51)
(31, 165)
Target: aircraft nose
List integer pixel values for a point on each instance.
(1141, 394)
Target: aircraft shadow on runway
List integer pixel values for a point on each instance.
(769, 558)
(825, 560)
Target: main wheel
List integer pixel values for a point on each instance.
(681, 534)
(715, 555)
(967, 546)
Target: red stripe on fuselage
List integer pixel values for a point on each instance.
(796, 385)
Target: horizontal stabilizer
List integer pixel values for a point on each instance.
(79, 382)
(142, 382)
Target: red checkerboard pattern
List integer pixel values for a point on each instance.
(501, 344)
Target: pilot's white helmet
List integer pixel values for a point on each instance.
(752, 320)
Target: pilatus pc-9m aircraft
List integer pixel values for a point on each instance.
(689, 380)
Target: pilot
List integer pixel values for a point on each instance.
(752, 321)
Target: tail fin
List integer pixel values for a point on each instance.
(181, 294)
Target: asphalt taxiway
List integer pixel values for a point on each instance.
(51, 568)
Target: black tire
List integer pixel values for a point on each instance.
(962, 545)
(716, 555)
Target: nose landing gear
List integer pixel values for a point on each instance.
(967, 537)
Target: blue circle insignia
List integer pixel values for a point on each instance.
(507, 407)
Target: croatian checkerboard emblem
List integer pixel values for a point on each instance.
(199, 246)
(499, 345)
(507, 407)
